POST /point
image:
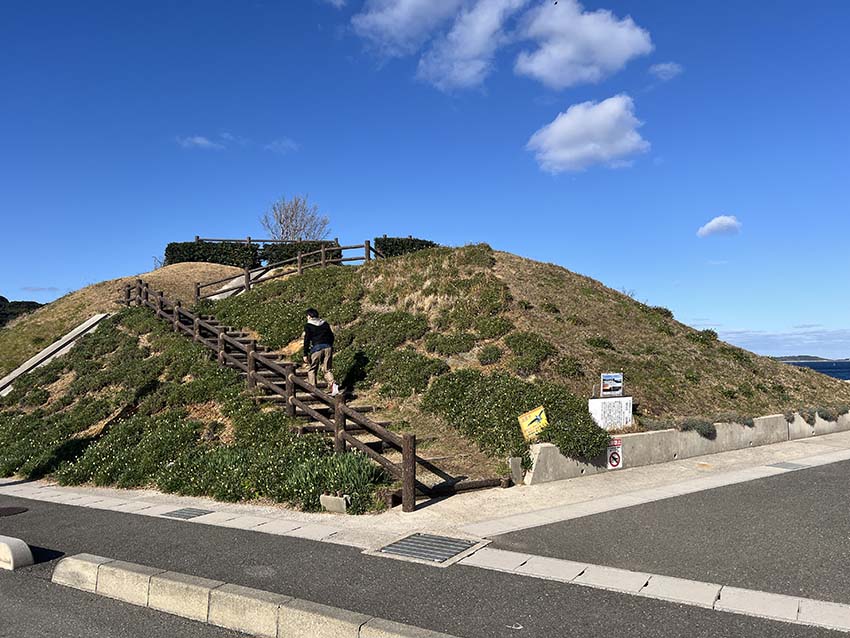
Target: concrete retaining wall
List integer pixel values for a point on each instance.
(648, 448)
(250, 611)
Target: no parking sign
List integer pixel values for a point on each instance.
(614, 455)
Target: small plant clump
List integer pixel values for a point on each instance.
(734, 417)
(529, 350)
(405, 371)
(488, 355)
(702, 337)
(492, 327)
(548, 306)
(449, 344)
(600, 342)
(828, 414)
(662, 311)
(569, 367)
(702, 427)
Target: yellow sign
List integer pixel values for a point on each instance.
(533, 422)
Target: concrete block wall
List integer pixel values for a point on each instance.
(649, 448)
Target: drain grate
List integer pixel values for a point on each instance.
(11, 511)
(787, 465)
(437, 549)
(187, 512)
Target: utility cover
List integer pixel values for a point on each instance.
(187, 512)
(437, 549)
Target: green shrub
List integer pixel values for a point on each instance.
(480, 255)
(828, 414)
(548, 306)
(485, 408)
(488, 355)
(734, 417)
(492, 327)
(395, 246)
(403, 372)
(729, 393)
(809, 415)
(702, 337)
(228, 253)
(651, 425)
(693, 376)
(449, 344)
(525, 305)
(702, 427)
(600, 342)
(529, 350)
(577, 321)
(569, 367)
(664, 312)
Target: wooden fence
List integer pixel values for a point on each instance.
(325, 256)
(280, 377)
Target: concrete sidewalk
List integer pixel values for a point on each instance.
(474, 514)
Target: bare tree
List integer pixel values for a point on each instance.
(295, 219)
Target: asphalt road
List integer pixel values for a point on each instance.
(788, 534)
(464, 601)
(35, 608)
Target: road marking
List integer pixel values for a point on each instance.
(722, 598)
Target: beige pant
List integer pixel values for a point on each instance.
(323, 359)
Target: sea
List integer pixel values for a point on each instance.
(837, 369)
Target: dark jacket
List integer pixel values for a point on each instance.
(317, 333)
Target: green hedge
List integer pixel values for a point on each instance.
(394, 246)
(273, 253)
(229, 253)
(485, 408)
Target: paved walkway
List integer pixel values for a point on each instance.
(472, 515)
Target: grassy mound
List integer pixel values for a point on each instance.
(528, 330)
(24, 337)
(135, 405)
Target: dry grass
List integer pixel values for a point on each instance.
(27, 335)
(668, 372)
(210, 414)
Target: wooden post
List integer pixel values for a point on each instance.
(324, 260)
(368, 250)
(159, 297)
(138, 292)
(197, 291)
(339, 424)
(251, 347)
(221, 348)
(146, 293)
(127, 295)
(247, 279)
(408, 465)
(290, 389)
(197, 238)
(176, 318)
(196, 329)
(300, 269)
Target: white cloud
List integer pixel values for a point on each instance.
(199, 141)
(338, 4)
(463, 58)
(589, 133)
(401, 27)
(720, 225)
(575, 46)
(666, 71)
(282, 146)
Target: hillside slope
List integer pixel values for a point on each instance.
(473, 308)
(25, 336)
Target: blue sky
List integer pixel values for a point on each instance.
(600, 136)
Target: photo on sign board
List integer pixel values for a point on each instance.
(612, 384)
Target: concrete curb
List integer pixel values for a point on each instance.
(721, 598)
(251, 611)
(14, 553)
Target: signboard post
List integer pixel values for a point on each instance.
(614, 456)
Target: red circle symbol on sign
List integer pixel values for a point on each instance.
(614, 459)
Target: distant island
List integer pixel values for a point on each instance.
(801, 357)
